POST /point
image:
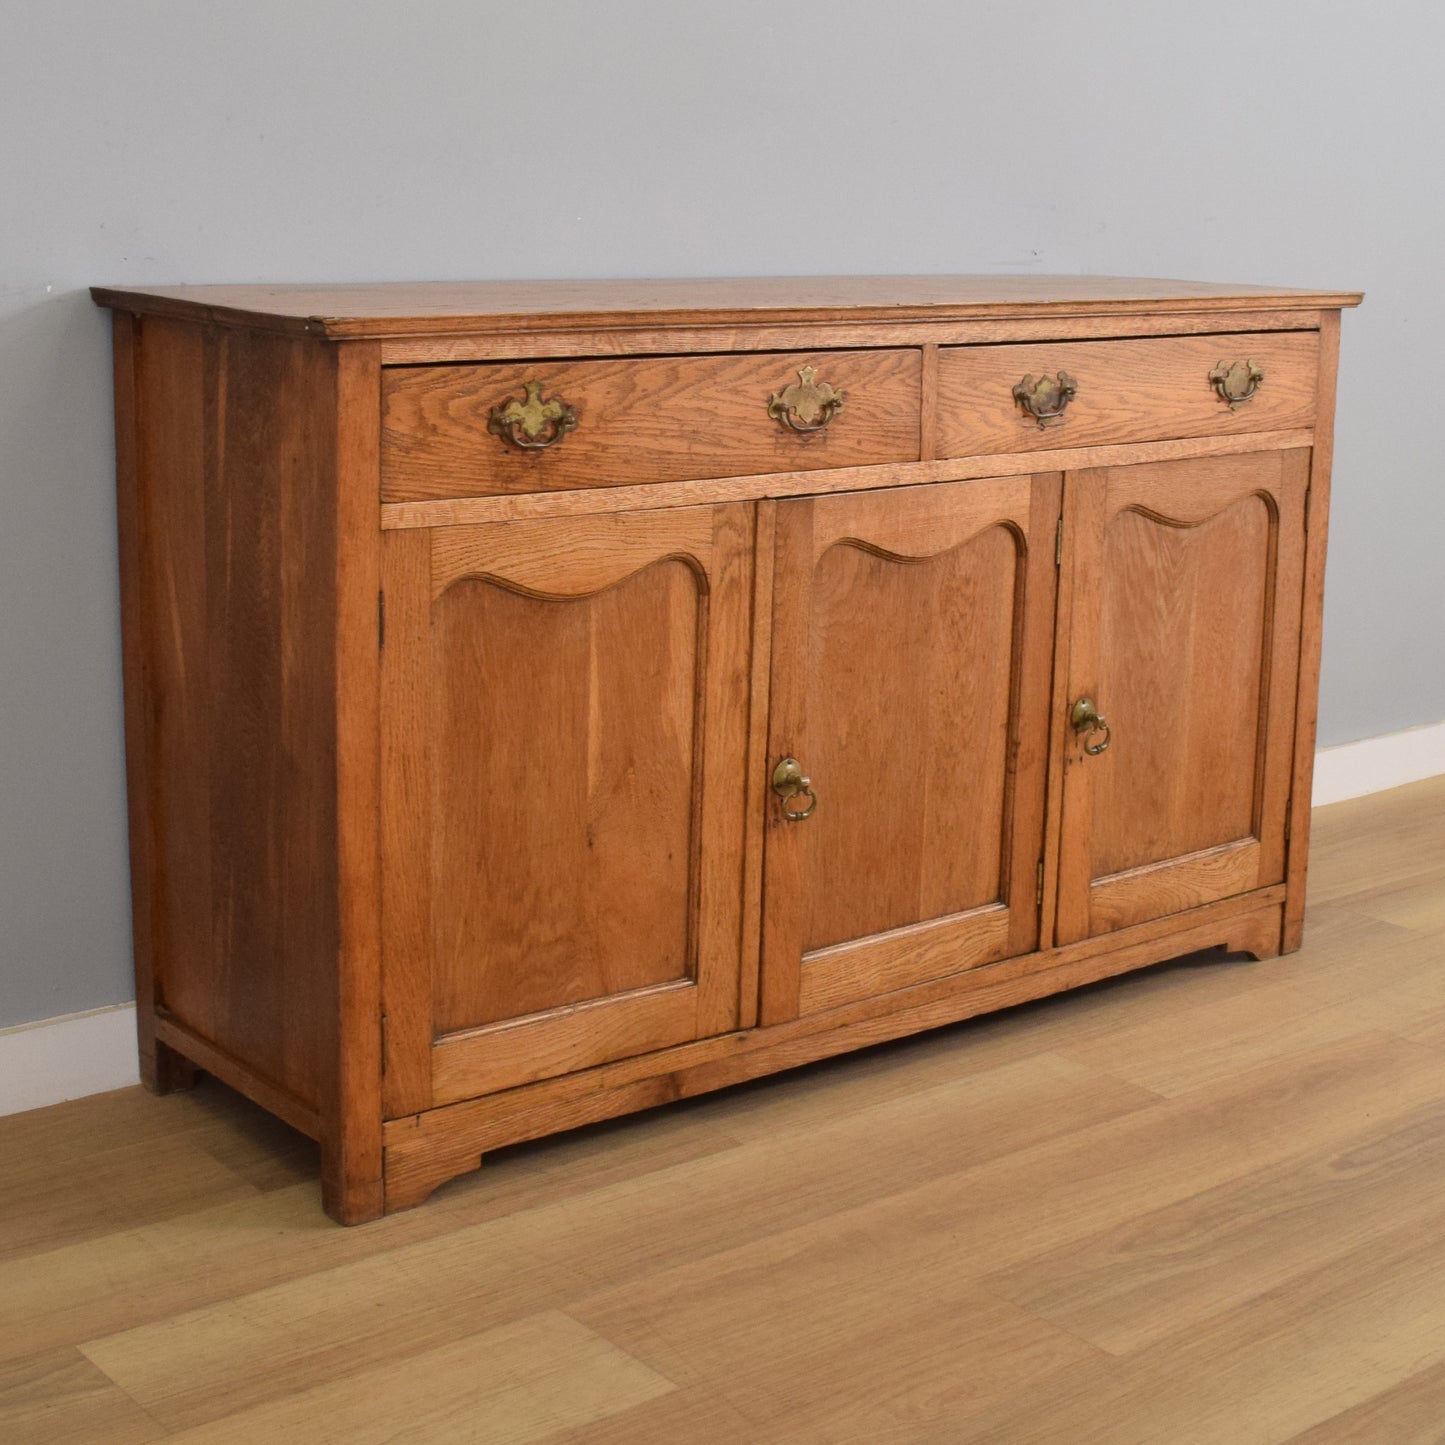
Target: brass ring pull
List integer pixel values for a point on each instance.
(1086, 720)
(1045, 398)
(532, 424)
(789, 783)
(807, 405)
(1236, 381)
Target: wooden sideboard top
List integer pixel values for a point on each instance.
(438, 307)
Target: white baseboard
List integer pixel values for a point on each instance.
(89, 1053)
(67, 1058)
(1374, 764)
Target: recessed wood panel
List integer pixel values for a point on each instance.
(653, 419)
(909, 683)
(1185, 629)
(562, 807)
(1184, 591)
(564, 795)
(1136, 390)
(911, 633)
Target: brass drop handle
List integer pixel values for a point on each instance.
(1086, 720)
(532, 424)
(1044, 398)
(1236, 381)
(807, 404)
(789, 783)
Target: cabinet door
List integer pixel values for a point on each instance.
(564, 729)
(1184, 583)
(912, 639)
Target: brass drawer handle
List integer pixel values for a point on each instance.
(1236, 381)
(1045, 398)
(1084, 715)
(807, 404)
(789, 783)
(532, 424)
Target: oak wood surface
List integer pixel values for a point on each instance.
(234, 681)
(909, 656)
(352, 1082)
(701, 338)
(543, 824)
(656, 419)
(464, 511)
(1199, 1204)
(1187, 580)
(1127, 391)
(160, 1067)
(382, 309)
(1312, 627)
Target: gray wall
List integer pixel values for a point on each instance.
(300, 140)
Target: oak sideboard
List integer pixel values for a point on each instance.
(547, 700)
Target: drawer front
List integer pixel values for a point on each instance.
(453, 431)
(1123, 391)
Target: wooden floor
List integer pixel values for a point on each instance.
(1205, 1203)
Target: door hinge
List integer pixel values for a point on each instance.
(1059, 544)
(1039, 885)
(383, 1043)
(381, 619)
(1288, 818)
(1309, 492)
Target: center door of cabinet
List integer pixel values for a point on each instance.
(912, 633)
(564, 737)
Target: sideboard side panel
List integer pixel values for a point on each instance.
(1317, 518)
(232, 687)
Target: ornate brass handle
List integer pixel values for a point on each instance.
(1236, 381)
(1086, 720)
(807, 404)
(789, 783)
(1045, 398)
(532, 424)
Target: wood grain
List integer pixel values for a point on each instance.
(1312, 629)
(1127, 391)
(160, 1067)
(811, 336)
(233, 503)
(906, 650)
(543, 825)
(658, 419)
(1186, 582)
(439, 307)
(466, 511)
(352, 1078)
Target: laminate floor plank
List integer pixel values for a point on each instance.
(125, 1184)
(519, 1383)
(218, 1360)
(70, 1293)
(775, 1326)
(63, 1399)
(1165, 1272)
(1193, 1204)
(1320, 1343)
(940, 1241)
(1409, 1413)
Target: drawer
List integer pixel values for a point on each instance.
(1124, 391)
(454, 431)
